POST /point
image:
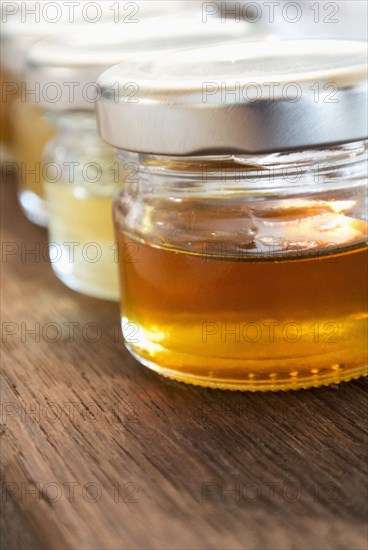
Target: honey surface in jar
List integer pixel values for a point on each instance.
(293, 318)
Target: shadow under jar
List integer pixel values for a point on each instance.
(242, 236)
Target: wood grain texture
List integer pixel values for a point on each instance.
(100, 453)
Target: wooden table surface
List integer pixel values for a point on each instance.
(100, 453)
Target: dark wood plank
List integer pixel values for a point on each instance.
(98, 452)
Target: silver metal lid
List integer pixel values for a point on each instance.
(66, 69)
(241, 97)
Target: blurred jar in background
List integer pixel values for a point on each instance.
(79, 170)
(24, 130)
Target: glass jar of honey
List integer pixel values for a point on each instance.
(78, 169)
(242, 232)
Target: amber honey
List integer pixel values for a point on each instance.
(236, 322)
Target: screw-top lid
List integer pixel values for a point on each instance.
(71, 64)
(248, 97)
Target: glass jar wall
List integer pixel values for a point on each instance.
(246, 272)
